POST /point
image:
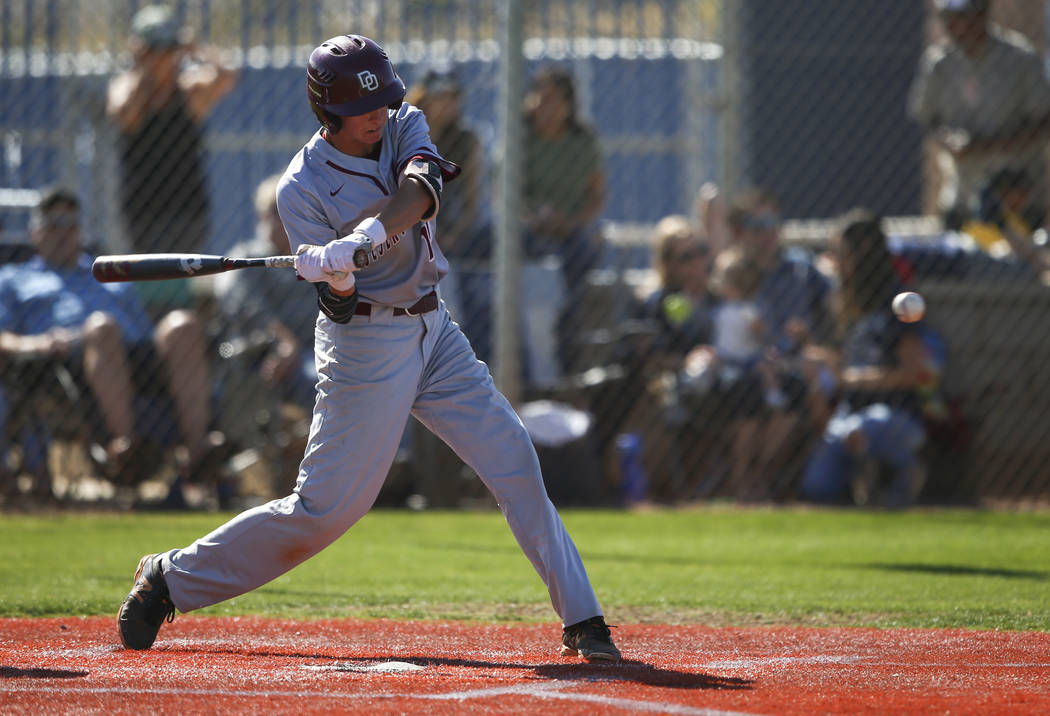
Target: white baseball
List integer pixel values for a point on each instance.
(909, 306)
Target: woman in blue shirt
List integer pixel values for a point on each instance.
(879, 367)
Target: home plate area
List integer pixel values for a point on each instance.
(256, 665)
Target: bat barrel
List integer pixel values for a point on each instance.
(155, 267)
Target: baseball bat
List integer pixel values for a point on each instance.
(157, 267)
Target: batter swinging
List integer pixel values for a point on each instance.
(385, 348)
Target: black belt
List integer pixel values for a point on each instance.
(424, 305)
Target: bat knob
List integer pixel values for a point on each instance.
(361, 253)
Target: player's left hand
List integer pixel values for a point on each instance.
(310, 263)
(340, 253)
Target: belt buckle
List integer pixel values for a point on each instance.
(408, 312)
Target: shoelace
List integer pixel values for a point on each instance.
(169, 610)
(599, 626)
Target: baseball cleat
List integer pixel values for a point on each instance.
(590, 639)
(147, 607)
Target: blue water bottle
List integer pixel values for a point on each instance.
(633, 482)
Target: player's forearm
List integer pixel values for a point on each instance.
(406, 208)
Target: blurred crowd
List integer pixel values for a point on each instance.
(741, 366)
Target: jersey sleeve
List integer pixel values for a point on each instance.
(301, 212)
(412, 137)
(413, 140)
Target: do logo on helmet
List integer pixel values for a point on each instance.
(368, 80)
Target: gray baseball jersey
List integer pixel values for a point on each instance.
(324, 194)
(374, 372)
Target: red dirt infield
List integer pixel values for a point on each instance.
(258, 665)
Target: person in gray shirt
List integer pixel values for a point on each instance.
(270, 315)
(985, 100)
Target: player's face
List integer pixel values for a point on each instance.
(361, 132)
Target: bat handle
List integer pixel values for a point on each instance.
(289, 262)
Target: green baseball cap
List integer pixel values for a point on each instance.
(155, 27)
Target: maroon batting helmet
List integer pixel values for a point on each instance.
(351, 75)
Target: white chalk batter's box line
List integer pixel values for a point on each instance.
(540, 691)
(872, 661)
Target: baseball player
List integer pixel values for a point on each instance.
(385, 348)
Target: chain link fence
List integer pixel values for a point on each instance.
(696, 315)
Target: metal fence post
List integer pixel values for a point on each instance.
(508, 230)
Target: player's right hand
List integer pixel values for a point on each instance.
(341, 282)
(339, 254)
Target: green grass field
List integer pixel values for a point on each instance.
(942, 568)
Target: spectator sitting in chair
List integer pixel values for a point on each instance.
(881, 370)
(54, 313)
(793, 298)
(746, 376)
(681, 306)
(679, 311)
(272, 308)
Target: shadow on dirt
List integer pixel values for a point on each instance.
(13, 672)
(641, 673)
(628, 670)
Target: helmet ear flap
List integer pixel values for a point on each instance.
(332, 122)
